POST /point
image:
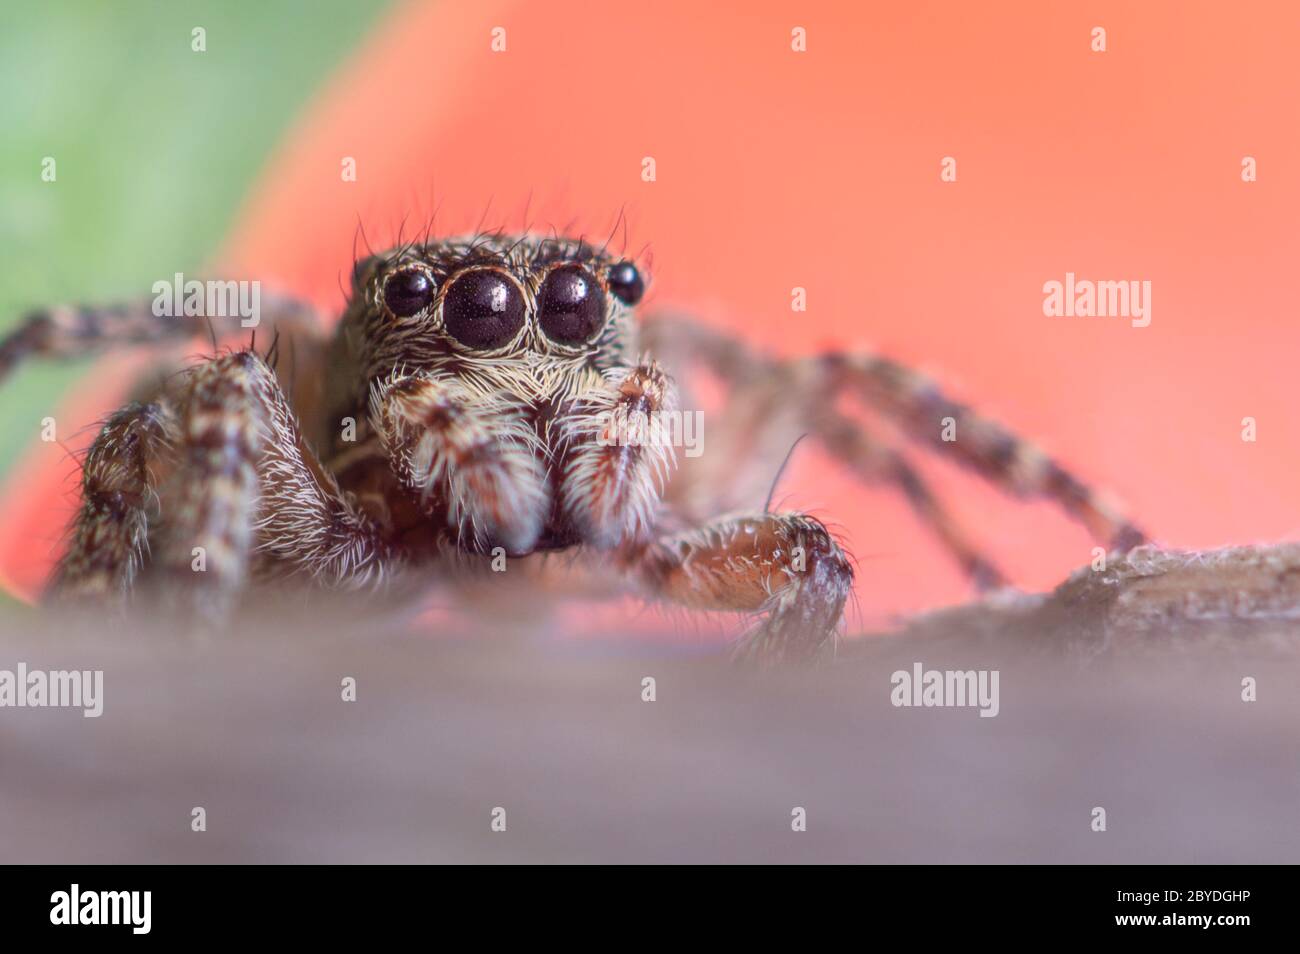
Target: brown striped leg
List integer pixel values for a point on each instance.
(109, 534)
(767, 410)
(789, 397)
(873, 462)
(74, 331)
(615, 455)
(981, 444)
(784, 565)
(772, 404)
(244, 479)
(470, 456)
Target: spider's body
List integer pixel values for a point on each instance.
(471, 405)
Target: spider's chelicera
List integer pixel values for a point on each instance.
(460, 412)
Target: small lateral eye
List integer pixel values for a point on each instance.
(483, 309)
(408, 292)
(626, 283)
(362, 269)
(571, 306)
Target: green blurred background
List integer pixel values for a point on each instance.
(155, 146)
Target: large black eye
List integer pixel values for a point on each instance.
(408, 292)
(626, 283)
(483, 309)
(571, 307)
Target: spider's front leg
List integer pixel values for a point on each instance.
(244, 481)
(776, 400)
(785, 565)
(467, 454)
(109, 535)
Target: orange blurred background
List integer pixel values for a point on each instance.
(821, 169)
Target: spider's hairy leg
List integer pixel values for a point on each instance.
(983, 445)
(873, 461)
(110, 531)
(772, 405)
(616, 454)
(807, 389)
(244, 479)
(784, 565)
(472, 455)
(76, 331)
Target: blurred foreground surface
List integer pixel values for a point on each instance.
(251, 726)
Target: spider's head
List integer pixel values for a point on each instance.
(545, 306)
(493, 369)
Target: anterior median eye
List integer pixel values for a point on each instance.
(408, 292)
(483, 309)
(571, 306)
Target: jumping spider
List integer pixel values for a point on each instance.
(460, 410)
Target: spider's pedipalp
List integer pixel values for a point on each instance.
(472, 455)
(615, 455)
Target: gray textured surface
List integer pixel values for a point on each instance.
(250, 725)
